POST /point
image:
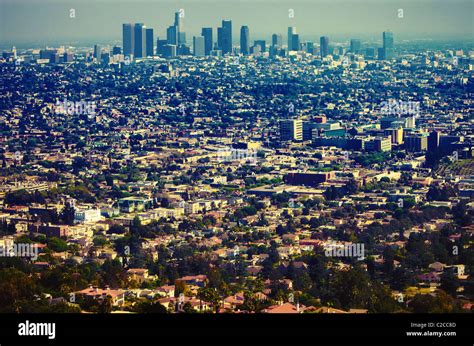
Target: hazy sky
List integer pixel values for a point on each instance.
(44, 21)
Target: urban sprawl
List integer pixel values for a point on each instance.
(220, 176)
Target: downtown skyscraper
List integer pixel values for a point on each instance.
(324, 46)
(226, 37)
(355, 46)
(244, 40)
(178, 23)
(291, 33)
(199, 46)
(387, 37)
(139, 50)
(128, 39)
(149, 42)
(207, 34)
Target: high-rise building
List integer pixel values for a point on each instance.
(128, 39)
(381, 53)
(324, 46)
(295, 42)
(139, 50)
(207, 34)
(97, 52)
(370, 53)
(244, 40)
(379, 144)
(355, 46)
(172, 35)
(199, 47)
(277, 40)
(220, 34)
(416, 142)
(410, 122)
(169, 50)
(160, 44)
(116, 50)
(433, 141)
(149, 42)
(291, 32)
(226, 38)
(68, 57)
(396, 135)
(255, 50)
(309, 47)
(178, 23)
(387, 45)
(291, 130)
(262, 44)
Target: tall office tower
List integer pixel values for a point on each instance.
(169, 50)
(416, 142)
(244, 40)
(291, 130)
(226, 39)
(68, 57)
(433, 141)
(199, 46)
(295, 42)
(324, 46)
(220, 35)
(396, 134)
(172, 35)
(309, 47)
(262, 44)
(149, 42)
(128, 38)
(97, 52)
(355, 46)
(277, 40)
(291, 32)
(116, 50)
(381, 53)
(410, 122)
(255, 50)
(387, 45)
(139, 50)
(370, 52)
(207, 34)
(160, 44)
(178, 23)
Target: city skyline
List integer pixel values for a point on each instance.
(312, 20)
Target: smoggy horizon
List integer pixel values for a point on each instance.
(54, 21)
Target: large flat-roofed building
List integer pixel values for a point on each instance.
(87, 215)
(395, 134)
(379, 144)
(308, 178)
(416, 142)
(291, 130)
(131, 204)
(50, 230)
